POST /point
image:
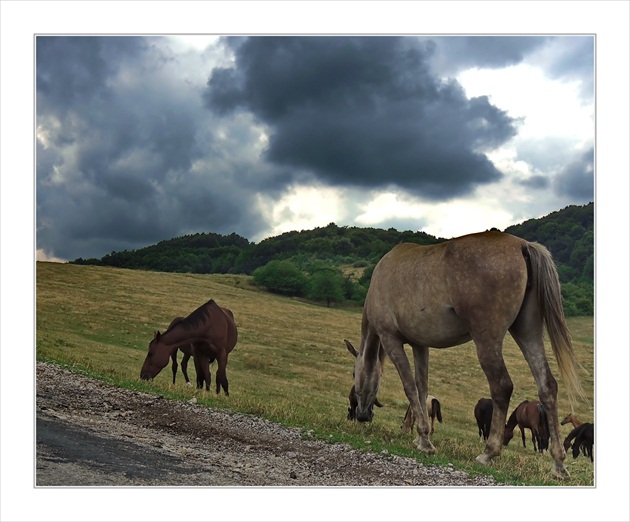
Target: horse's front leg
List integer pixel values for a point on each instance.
(421, 384)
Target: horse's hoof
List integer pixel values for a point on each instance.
(188, 384)
(484, 459)
(424, 445)
(560, 471)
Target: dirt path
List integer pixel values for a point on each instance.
(93, 434)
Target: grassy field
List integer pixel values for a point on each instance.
(290, 364)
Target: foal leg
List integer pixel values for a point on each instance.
(202, 367)
(527, 331)
(185, 360)
(396, 352)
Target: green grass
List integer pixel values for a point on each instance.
(290, 364)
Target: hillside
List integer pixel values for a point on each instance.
(290, 365)
(353, 251)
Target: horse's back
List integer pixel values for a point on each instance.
(219, 326)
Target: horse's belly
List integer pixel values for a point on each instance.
(437, 330)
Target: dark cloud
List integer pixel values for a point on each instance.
(362, 111)
(456, 53)
(536, 182)
(572, 58)
(577, 180)
(126, 154)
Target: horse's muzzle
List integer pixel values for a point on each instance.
(365, 416)
(146, 377)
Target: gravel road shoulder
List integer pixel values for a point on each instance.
(89, 433)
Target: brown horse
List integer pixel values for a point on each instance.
(483, 416)
(532, 416)
(211, 331)
(572, 419)
(475, 287)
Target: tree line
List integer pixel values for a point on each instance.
(334, 264)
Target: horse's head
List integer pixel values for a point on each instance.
(508, 434)
(156, 359)
(362, 395)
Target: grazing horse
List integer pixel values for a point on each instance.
(530, 415)
(583, 437)
(483, 416)
(211, 331)
(572, 419)
(352, 397)
(434, 409)
(478, 287)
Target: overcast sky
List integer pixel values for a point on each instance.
(141, 139)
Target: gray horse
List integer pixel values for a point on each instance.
(475, 287)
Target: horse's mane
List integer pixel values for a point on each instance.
(199, 316)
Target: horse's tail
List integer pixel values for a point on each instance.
(437, 409)
(544, 278)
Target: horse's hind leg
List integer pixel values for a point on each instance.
(527, 331)
(221, 376)
(501, 387)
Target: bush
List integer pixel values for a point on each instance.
(327, 285)
(281, 277)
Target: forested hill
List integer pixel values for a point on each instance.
(568, 233)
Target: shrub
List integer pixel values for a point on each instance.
(281, 277)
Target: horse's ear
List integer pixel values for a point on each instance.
(156, 335)
(351, 348)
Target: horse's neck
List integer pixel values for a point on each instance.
(575, 421)
(512, 422)
(177, 336)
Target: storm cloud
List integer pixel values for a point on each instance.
(362, 111)
(577, 180)
(140, 139)
(126, 153)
